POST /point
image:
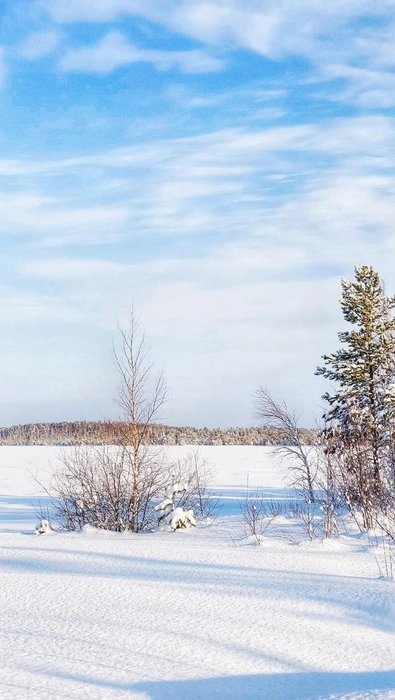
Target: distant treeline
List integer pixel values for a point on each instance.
(94, 433)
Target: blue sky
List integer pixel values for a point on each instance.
(221, 164)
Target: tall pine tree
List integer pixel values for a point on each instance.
(361, 413)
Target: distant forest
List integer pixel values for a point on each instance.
(98, 433)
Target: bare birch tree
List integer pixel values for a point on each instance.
(116, 486)
(301, 458)
(141, 396)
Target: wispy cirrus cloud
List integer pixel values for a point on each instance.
(41, 217)
(114, 51)
(232, 180)
(355, 35)
(365, 87)
(352, 136)
(268, 28)
(266, 203)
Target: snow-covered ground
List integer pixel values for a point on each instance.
(194, 614)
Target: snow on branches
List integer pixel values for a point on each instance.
(43, 528)
(174, 516)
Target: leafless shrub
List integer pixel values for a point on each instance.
(196, 473)
(256, 515)
(383, 550)
(94, 486)
(381, 537)
(388, 568)
(305, 515)
(319, 520)
(275, 508)
(386, 523)
(42, 510)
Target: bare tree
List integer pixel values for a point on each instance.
(116, 487)
(302, 459)
(141, 397)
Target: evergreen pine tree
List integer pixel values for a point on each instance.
(362, 409)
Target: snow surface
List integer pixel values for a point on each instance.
(195, 614)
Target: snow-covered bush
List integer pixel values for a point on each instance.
(188, 498)
(179, 518)
(43, 528)
(171, 514)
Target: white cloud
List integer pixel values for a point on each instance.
(271, 28)
(66, 268)
(49, 219)
(366, 87)
(233, 151)
(228, 180)
(39, 44)
(324, 33)
(92, 10)
(114, 51)
(21, 307)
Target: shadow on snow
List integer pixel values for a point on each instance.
(277, 686)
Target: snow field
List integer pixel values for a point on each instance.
(195, 613)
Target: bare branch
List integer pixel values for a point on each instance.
(285, 419)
